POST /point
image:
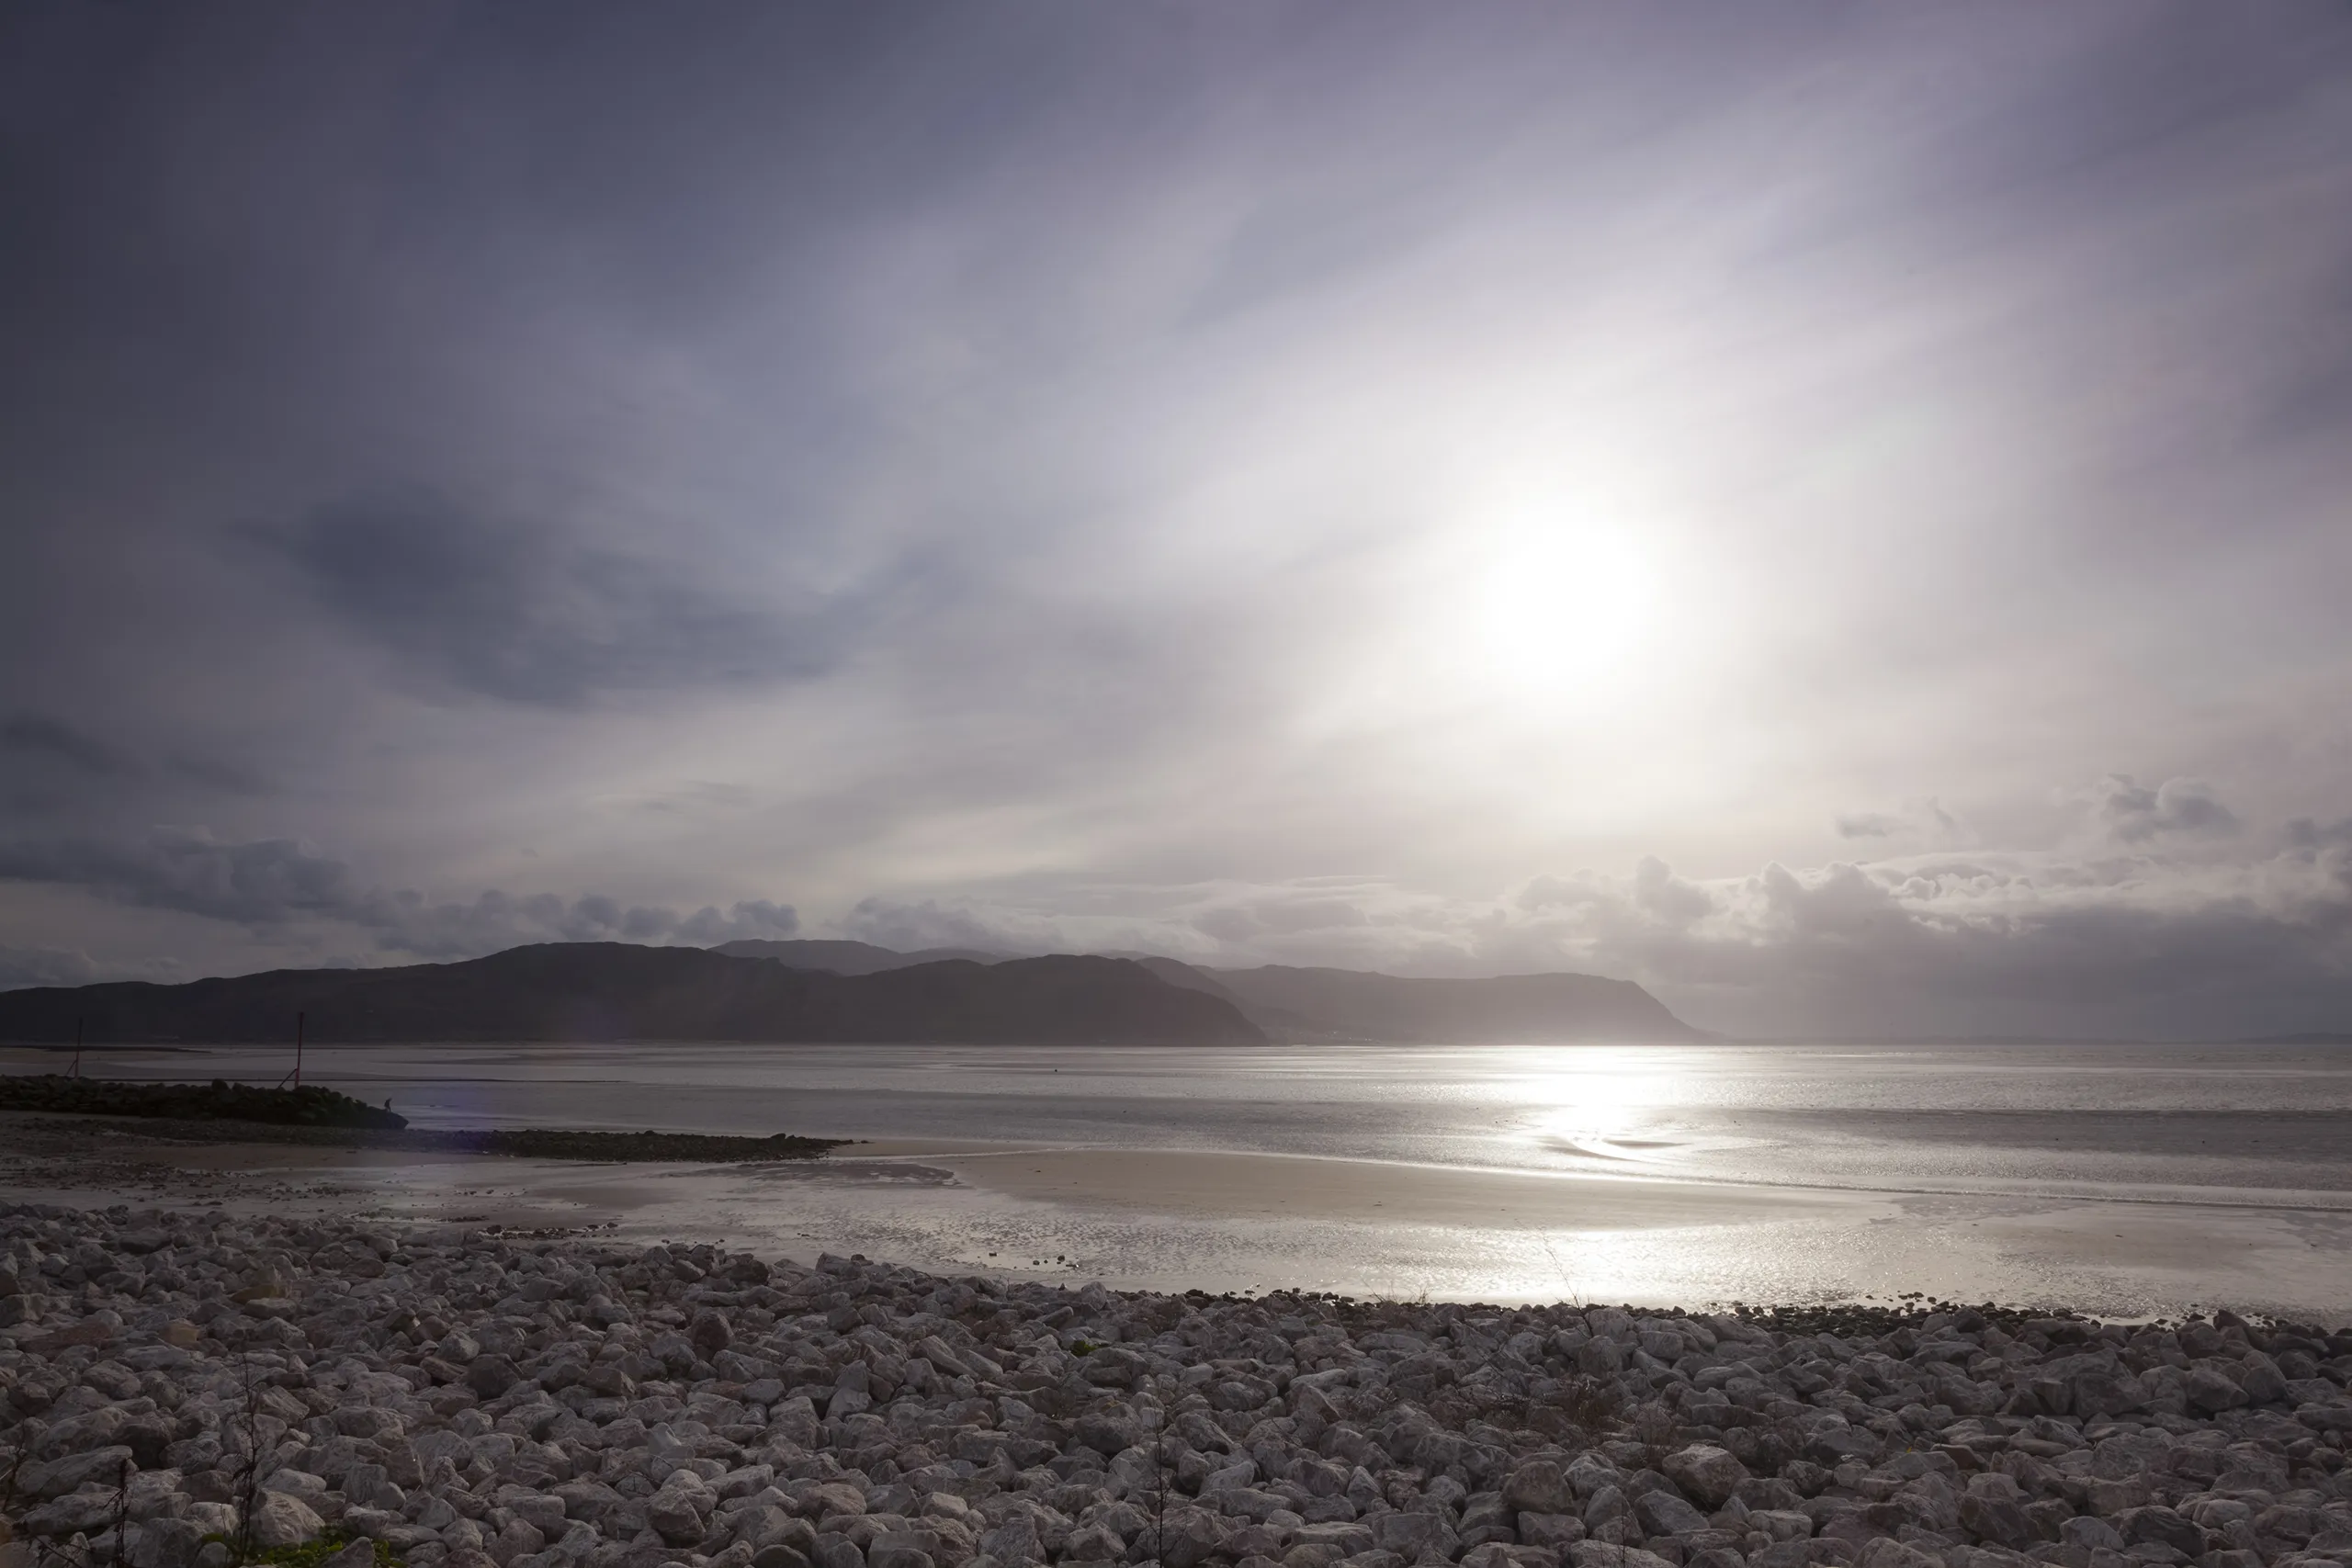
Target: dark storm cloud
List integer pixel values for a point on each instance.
(31, 735)
(269, 884)
(22, 966)
(36, 743)
(529, 615)
(262, 881)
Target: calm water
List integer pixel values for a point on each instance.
(2131, 1179)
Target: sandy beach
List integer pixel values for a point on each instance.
(1226, 1219)
(1253, 1186)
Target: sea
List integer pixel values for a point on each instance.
(2128, 1180)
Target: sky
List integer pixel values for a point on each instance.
(1837, 513)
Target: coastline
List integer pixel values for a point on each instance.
(1222, 1221)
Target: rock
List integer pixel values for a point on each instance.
(474, 1399)
(1833, 1446)
(710, 1332)
(1887, 1552)
(2100, 1394)
(771, 1526)
(1540, 1486)
(1996, 1522)
(1107, 1432)
(490, 1376)
(2211, 1392)
(676, 1513)
(1557, 1530)
(2263, 1381)
(1410, 1535)
(836, 1552)
(2155, 1523)
(519, 1539)
(2090, 1534)
(1707, 1474)
(1014, 1542)
(1603, 1554)
(1662, 1513)
(69, 1472)
(168, 1543)
(281, 1519)
(1187, 1536)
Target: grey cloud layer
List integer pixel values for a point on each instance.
(937, 460)
(524, 613)
(272, 884)
(2112, 938)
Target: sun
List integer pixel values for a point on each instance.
(1556, 607)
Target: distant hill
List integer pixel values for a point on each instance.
(596, 991)
(1279, 1023)
(1508, 1010)
(1356, 1004)
(850, 957)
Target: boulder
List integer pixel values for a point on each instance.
(2211, 1392)
(677, 1510)
(1554, 1530)
(1664, 1513)
(1996, 1521)
(1539, 1486)
(1187, 1537)
(281, 1519)
(1015, 1541)
(1707, 1474)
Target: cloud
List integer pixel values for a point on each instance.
(2125, 936)
(277, 882)
(527, 614)
(259, 882)
(1668, 898)
(910, 926)
(2069, 941)
(22, 966)
(1923, 819)
(408, 922)
(2185, 808)
(1019, 449)
(34, 735)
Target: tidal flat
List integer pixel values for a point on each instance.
(2132, 1182)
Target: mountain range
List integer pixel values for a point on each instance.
(1304, 1005)
(845, 991)
(607, 991)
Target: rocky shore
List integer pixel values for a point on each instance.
(310, 1106)
(467, 1399)
(232, 1112)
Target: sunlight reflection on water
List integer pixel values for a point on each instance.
(2126, 1178)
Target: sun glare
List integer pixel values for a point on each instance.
(1561, 606)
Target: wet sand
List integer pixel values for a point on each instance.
(1220, 1221)
(1253, 1186)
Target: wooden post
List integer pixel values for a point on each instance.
(77, 1047)
(297, 1050)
